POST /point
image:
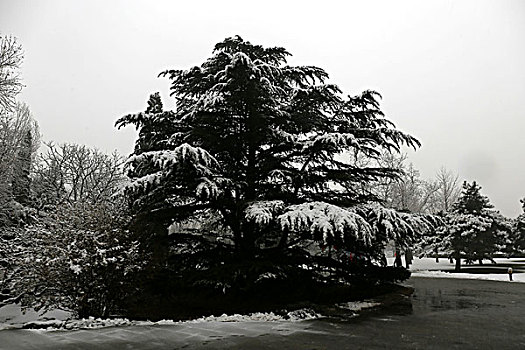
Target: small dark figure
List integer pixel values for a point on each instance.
(397, 261)
(408, 258)
(384, 262)
(510, 273)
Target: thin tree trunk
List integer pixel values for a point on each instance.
(458, 261)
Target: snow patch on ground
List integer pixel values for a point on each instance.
(428, 267)
(293, 316)
(12, 317)
(519, 278)
(13, 314)
(357, 305)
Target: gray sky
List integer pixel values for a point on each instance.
(452, 73)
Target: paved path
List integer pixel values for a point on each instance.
(442, 314)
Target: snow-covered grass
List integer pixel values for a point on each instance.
(14, 316)
(427, 267)
(516, 278)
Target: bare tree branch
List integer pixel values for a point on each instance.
(11, 56)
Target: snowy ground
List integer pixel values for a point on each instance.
(427, 267)
(12, 316)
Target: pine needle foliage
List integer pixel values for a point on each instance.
(263, 147)
(472, 230)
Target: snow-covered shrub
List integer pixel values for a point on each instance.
(76, 258)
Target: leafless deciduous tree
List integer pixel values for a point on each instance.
(385, 188)
(413, 193)
(71, 173)
(408, 192)
(11, 56)
(449, 189)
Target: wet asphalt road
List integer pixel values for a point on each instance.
(441, 314)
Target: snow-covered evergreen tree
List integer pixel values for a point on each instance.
(518, 231)
(473, 230)
(19, 142)
(22, 168)
(260, 145)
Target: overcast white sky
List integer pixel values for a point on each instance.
(452, 73)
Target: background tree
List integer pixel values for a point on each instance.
(448, 191)
(75, 253)
(518, 232)
(21, 178)
(11, 56)
(473, 229)
(408, 192)
(257, 144)
(17, 154)
(70, 173)
(385, 188)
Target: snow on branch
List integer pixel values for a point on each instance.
(211, 98)
(159, 164)
(396, 225)
(334, 140)
(468, 224)
(212, 188)
(278, 176)
(283, 136)
(168, 159)
(327, 219)
(144, 183)
(207, 189)
(263, 212)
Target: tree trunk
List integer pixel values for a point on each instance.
(283, 240)
(458, 261)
